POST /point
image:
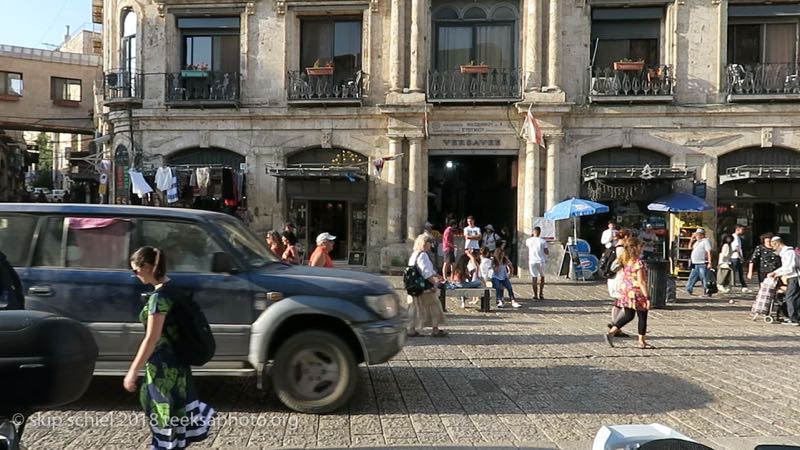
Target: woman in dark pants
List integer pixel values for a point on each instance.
(632, 292)
(764, 258)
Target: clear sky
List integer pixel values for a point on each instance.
(34, 23)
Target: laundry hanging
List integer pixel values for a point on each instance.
(138, 184)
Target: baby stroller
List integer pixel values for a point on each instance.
(769, 301)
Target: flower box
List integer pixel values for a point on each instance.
(480, 69)
(629, 65)
(319, 71)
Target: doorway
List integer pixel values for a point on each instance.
(329, 216)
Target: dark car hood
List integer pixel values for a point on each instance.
(304, 280)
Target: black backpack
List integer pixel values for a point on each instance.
(413, 280)
(606, 262)
(195, 344)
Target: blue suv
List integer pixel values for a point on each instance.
(305, 328)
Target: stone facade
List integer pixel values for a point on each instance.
(397, 117)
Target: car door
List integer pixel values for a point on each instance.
(80, 270)
(226, 299)
(16, 236)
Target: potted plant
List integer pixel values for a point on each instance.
(473, 68)
(627, 64)
(318, 70)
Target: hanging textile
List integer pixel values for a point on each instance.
(138, 184)
(163, 178)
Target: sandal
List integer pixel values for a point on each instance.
(440, 333)
(413, 334)
(646, 346)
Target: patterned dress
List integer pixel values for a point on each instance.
(176, 417)
(631, 293)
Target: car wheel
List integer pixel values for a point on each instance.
(314, 372)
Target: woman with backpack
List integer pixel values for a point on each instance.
(167, 394)
(424, 309)
(633, 297)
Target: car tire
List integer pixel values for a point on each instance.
(314, 372)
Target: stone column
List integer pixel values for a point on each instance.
(396, 47)
(552, 187)
(531, 207)
(533, 45)
(419, 21)
(415, 217)
(554, 47)
(395, 190)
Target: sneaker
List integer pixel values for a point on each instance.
(745, 290)
(791, 324)
(463, 302)
(514, 304)
(499, 303)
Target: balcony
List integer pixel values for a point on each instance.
(122, 88)
(337, 88)
(202, 88)
(494, 86)
(763, 82)
(642, 85)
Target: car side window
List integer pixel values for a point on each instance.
(187, 246)
(98, 243)
(16, 234)
(49, 244)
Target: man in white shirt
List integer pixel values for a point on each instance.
(649, 239)
(537, 257)
(472, 236)
(609, 235)
(737, 257)
(701, 261)
(789, 269)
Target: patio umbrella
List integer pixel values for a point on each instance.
(679, 202)
(573, 208)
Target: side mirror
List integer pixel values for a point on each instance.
(222, 263)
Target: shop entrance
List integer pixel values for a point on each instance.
(482, 186)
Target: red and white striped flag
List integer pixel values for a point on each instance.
(531, 129)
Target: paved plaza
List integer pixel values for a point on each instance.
(538, 377)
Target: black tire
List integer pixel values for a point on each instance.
(317, 354)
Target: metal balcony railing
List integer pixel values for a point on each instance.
(122, 84)
(454, 86)
(646, 83)
(202, 86)
(763, 79)
(338, 87)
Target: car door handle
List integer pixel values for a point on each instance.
(41, 291)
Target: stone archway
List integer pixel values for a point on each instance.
(212, 156)
(633, 156)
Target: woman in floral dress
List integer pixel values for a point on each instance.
(632, 292)
(176, 417)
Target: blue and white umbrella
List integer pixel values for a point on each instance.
(573, 208)
(679, 202)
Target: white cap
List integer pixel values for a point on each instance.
(700, 230)
(490, 227)
(776, 239)
(322, 237)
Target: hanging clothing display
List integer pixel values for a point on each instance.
(138, 184)
(203, 176)
(163, 178)
(172, 192)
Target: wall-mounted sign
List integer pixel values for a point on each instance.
(471, 127)
(460, 143)
(474, 143)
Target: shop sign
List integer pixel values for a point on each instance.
(477, 143)
(471, 127)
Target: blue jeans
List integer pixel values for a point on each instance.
(699, 272)
(498, 286)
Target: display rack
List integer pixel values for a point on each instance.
(683, 260)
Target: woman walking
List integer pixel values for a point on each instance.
(764, 259)
(725, 277)
(501, 267)
(167, 395)
(425, 310)
(275, 243)
(290, 255)
(632, 293)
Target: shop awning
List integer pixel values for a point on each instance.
(760, 173)
(646, 172)
(348, 173)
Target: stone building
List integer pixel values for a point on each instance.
(365, 118)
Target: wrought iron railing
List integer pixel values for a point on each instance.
(647, 81)
(202, 86)
(338, 86)
(495, 84)
(122, 84)
(763, 79)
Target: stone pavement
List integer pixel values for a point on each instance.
(538, 377)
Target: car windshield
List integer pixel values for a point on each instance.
(245, 242)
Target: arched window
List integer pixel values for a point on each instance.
(128, 41)
(484, 32)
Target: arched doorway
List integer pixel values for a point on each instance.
(758, 188)
(211, 179)
(626, 180)
(326, 191)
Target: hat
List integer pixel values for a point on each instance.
(428, 226)
(700, 230)
(649, 225)
(776, 239)
(490, 227)
(322, 237)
